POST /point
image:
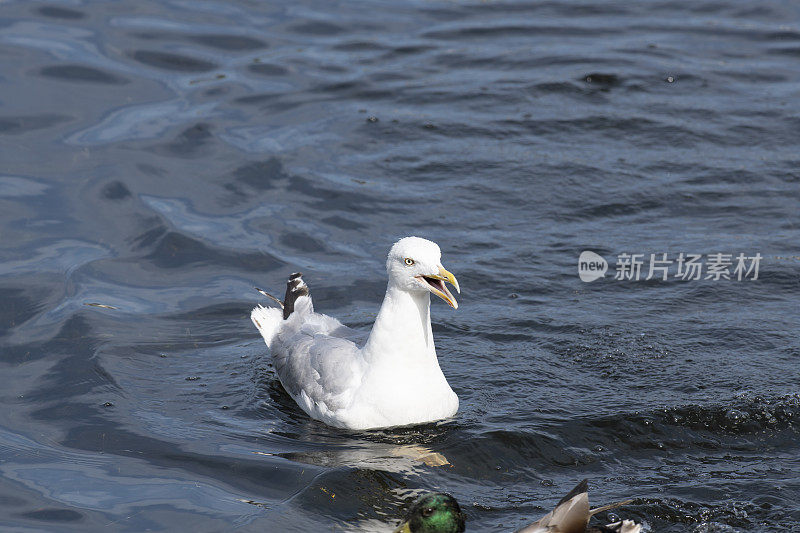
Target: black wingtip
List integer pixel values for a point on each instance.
(580, 488)
(268, 295)
(295, 288)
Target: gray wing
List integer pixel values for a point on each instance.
(318, 363)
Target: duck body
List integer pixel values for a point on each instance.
(437, 512)
(572, 515)
(394, 379)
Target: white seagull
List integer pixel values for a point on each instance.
(394, 379)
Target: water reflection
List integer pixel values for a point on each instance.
(397, 458)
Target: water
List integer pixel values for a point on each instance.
(161, 159)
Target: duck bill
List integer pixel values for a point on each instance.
(403, 528)
(437, 285)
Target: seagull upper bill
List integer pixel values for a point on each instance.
(437, 286)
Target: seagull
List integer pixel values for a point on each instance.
(437, 512)
(392, 380)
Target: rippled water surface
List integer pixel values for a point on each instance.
(160, 159)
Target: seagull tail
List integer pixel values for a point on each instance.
(267, 320)
(295, 288)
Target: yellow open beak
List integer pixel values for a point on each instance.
(440, 289)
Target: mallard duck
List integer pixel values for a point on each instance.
(394, 379)
(440, 513)
(572, 515)
(435, 512)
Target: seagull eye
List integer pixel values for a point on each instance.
(408, 261)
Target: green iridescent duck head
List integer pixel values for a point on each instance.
(433, 513)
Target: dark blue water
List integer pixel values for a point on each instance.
(161, 159)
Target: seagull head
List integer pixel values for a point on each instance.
(415, 265)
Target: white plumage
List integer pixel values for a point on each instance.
(394, 379)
